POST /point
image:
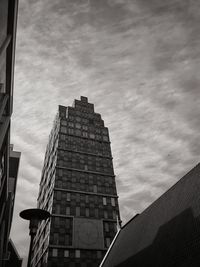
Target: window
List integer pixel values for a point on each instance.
(55, 239)
(67, 240)
(71, 124)
(63, 129)
(67, 222)
(105, 131)
(104, 201)
(66, 253)
(77, 253)
(54, 252)
(77, 211)
(78, 126)
(85, 134)
(85, 167)
(106, 227)
(85, 127)
(62, 137)
(60, 172)
(98, 137)
(70, 131)
(98, 131)
(59, 184)
(112, 201)
(96, 212)
(114, 215)
(78, 132)
(67, 210)
(85, 120)
(58, 195)
(77, 197)
(105, 138)
(87, 212)
(57, 221)
(70, 117)
(95, 189)
(86, 199)
(92, 136)
(57, 209)
(105, 214)
(68, 196)
(99, 254)
(78, 118)
(107, 242)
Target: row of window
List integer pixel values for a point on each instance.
(61, 222)
(83, 133)
(74, 156)
(85, 212)
(88, 182)
(77, 253)
(91, 120)
(66, 253)
(74, 114)
(84, 127)
(76, 176)
(69, 156)
(68, 185)
(67, 196)
(86, 108)
(61, 239)
(78, 166)
(84, 145)
(84, 165)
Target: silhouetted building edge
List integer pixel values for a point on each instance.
(14, 260)
(8, 22)
(165, 234)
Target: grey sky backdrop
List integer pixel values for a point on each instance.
(138, 62)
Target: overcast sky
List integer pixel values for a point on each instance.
(138, 62)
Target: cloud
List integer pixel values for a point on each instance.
(137, 61)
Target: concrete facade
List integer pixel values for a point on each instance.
(78, 188)
(166, 234)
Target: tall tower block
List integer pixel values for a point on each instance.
(78, 188)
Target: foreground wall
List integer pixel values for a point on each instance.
(8, 17)
(166, 234)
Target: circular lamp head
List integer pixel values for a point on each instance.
(30, 214)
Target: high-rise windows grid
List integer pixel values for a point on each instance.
(79, 160)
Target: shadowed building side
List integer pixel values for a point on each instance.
(166, 234)
(8, 18)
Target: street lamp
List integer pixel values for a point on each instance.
(34, 216)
